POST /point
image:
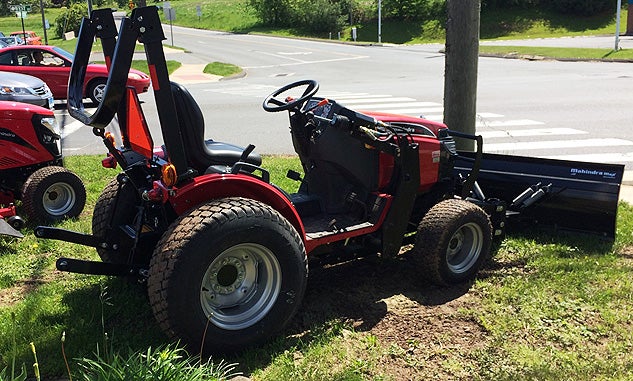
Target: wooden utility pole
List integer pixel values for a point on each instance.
(629, 19)
(460, 70)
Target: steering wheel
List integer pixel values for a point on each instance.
(311, 88)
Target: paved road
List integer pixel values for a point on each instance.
(572, 110)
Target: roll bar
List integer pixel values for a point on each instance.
(144, 24)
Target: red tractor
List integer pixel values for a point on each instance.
(225, 252)
(31, 167)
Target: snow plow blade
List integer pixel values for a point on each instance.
(559, 194)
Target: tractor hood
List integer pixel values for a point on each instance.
(17, 110)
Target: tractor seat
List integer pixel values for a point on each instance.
(203, 155)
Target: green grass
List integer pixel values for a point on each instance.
(560, 53)
(222, 69)
(546, 308)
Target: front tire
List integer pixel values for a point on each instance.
(453, 241)
(53, 193)
(232, 271)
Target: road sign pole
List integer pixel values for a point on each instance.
(43, 22)
(23, 31)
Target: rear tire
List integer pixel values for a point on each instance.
(232, 271)
(53, 193)
(453, 241)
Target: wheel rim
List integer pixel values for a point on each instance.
(464, 247)
(98, 91)
(240, 286)
(58, 199)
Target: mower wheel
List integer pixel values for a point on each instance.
(16, 222)
(116, 206)
(453, 241)
(53, 193)
(227, 275)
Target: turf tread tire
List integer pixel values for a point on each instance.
(39, 181)
(102, 215)
(436, 230)
(211, 218)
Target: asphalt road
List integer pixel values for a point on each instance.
(570, 110)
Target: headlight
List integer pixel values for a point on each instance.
(51, 124)
(134, 76)
(14, 90)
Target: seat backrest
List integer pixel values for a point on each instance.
(191, 123)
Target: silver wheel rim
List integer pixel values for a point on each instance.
(240, 286)
(58, 199)
(464, 247)
(98, 92)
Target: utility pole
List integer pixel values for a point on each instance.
(629, 18)
(43, 22)
(460, 69)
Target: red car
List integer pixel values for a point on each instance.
(29, 36)
(52, 65)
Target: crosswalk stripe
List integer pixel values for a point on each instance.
(417, 111)
(508, 123)
(384, 100)
(391, 106)
(347, 97)
(530, 132)
(534, 145)
(71, 128)
(620, 158)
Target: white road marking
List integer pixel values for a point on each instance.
(72, 128)
(530, 132)
(556, 144)
(617, 157)
(391, 106)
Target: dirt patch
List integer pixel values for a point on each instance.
(11, 295)
(419, 326)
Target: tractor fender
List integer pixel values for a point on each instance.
(214, 186)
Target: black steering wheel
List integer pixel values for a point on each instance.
(311, 88)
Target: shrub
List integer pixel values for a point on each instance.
(320, 16)
(71, 19)
(272, 12)
(582, 7)
(414, 9)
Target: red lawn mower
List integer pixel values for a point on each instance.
(225, 253)
(31, 169)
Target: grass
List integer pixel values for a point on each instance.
(222, 69)
(546, 308)
(543, 308)
(559, 53)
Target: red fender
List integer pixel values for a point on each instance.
(214, 186)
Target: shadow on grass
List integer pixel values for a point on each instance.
(109, 305)
(352, 293)
(504, 22)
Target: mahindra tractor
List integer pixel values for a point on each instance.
(224, 252)
(31, 169)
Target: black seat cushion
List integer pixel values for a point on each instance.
(202, 154)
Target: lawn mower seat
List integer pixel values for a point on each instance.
(205, 156)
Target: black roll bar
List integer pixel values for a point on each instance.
(144, 25)
(117, 75)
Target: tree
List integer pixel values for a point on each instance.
(460, 69)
